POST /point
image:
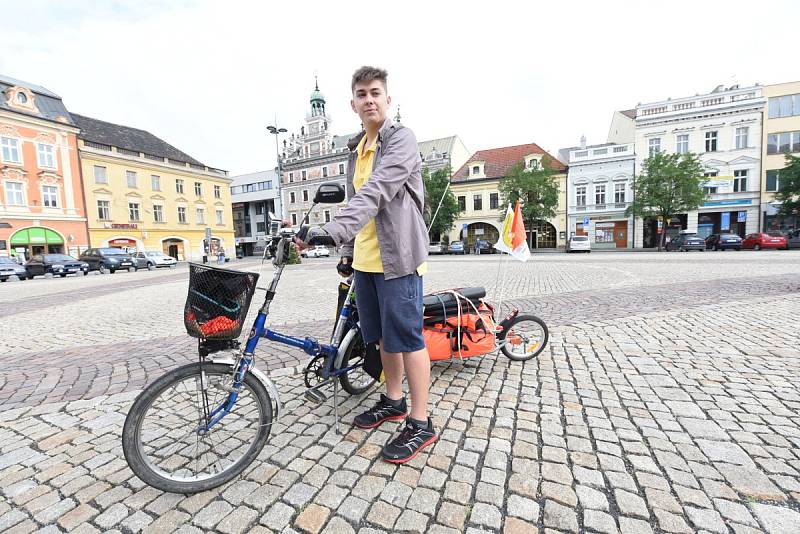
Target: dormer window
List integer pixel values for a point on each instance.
(22, 98)
(533, 162)
(476, 170)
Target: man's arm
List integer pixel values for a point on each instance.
(397, 162)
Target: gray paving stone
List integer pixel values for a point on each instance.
(630, 504)
(485, 515)
(705, 519)
(560, 517)
(136, 522)
(629, 525)
(277, 516)
(599, 521)
(591, 499)
(112, 516)
(777, 519)
(733, 511)
(524, 508)
(209, 516)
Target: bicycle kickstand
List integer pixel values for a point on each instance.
(336, 405)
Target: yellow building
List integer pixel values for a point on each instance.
(475, 186)
(144, 194)
(781, 135)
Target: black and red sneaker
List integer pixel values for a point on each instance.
(412, 439)
(380, 413)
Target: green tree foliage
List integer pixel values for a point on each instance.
(435, 186)
(670, 184)
(789, 186)
(536, 188)
(294, 257)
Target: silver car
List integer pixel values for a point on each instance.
(579, 243)
(152, 259)
(9, 268)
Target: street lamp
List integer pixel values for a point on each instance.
(276, 131)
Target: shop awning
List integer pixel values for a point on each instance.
(36, 236)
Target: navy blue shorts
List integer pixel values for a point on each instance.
(390, 310)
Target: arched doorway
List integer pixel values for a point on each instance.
(175, 247)
(479, 230)
(128, 244)
(542, 235)
(37, 240)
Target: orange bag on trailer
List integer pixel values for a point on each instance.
(470, 334)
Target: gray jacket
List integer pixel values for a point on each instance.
(394, 196)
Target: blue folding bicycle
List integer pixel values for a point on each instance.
(200, 425)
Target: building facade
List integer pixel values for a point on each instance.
(781, 136)
(144, 194)
(256, 202)
(476, 188)
(42, 207)
(443, 153)
(724, 128)
(599, 190)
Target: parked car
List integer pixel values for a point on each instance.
(762, 240)
(318, 251)
(9, 268)
(108, 259)
(579, 243)
(55, 265)
(153, 259)
(723, 242)
(436, 248)
(456, 247)
(793, 239)
(685, 242)
(483, 247)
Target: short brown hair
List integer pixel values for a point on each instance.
(368, 74)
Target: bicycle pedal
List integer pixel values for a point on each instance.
(315, 396)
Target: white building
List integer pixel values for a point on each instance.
(439, 153)
(254, 199)
(724, 128)
(599, 189)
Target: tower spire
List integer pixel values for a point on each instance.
(397, 116)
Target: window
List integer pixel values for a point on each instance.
(711, 141)
(50, 196)
(181, 214)
(200, 215)
(133, 211)
(179, 186)
(739, 181)
(784, 142)
(130, 176)
(772, 180)
(741, 137)
(600, 194)
(683, 144)
(795, 141)
(327, 216)
(104, 210)
(10, 149)
(476, 170)
(14, 194)
(158, 213)
(155, 182)
(291, 197)
(710, 190)
(324, 172)
(780, 143)
(261, 227)
(784, 106)
(654, 146)
(100, 176)
(220, 217)
(477, 202)
(305, 195)
(198, 189)
(341, 168)
(303, 175)
(619, 193)
(494, 200)
(580, 195)
(217, 191)
(462, 203)
(294, 219)
(291, 177)
(45, 156)
(533, 164)
(710, 174)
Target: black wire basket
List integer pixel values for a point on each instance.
(217, 302)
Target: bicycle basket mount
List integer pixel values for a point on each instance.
(217, 302)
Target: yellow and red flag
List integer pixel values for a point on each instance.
(513, 239)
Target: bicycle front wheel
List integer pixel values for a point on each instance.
(164, 440)
(524, 338)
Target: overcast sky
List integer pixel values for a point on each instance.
(209, 76)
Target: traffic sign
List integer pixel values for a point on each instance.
(586, 221)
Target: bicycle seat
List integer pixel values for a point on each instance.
(445, 303)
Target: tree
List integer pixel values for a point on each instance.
(789, 188)
(435, 186)
(669, 184)
(535, 188)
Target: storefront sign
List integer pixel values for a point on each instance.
(741, 216)
(124, 226)
(732, 202)
(586, 221)
(725, 221)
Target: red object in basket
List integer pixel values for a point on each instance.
(217, 325)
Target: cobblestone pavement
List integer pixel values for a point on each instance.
(663, 403)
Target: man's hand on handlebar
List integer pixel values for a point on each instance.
(308, 237)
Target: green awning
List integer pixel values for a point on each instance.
(36, 236)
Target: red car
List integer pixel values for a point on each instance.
(763, 240)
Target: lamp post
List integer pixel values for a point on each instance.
(276, 131)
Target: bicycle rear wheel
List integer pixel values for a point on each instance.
(524, 338)
(355, 381)
(162, 441)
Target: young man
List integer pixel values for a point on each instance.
(385, 241)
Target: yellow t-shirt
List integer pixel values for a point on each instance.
(367, 252)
